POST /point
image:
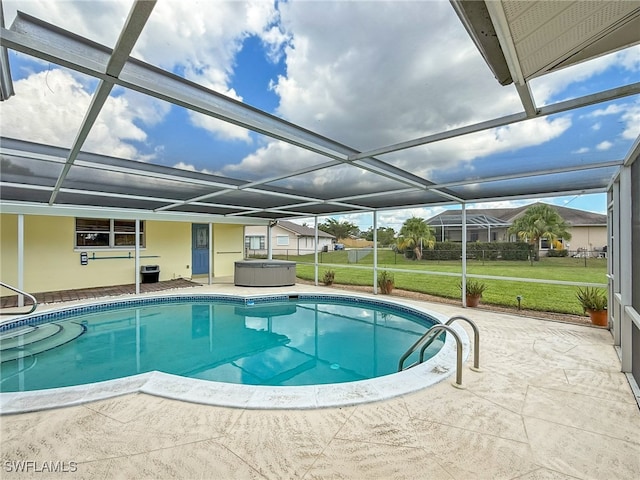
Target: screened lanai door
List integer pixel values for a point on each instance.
(200, 248)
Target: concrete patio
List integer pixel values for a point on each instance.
(550, 403)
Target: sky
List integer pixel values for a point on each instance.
(365, 73)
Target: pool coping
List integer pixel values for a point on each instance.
(436, 369)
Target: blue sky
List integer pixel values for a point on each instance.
(359, 72)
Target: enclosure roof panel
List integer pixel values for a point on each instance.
(289, 166)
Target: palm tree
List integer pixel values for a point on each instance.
(415, 234)
(540, 221)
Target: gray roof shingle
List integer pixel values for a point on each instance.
(572, 216)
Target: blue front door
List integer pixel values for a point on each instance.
(200, 248)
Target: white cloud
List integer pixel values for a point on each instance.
(459, 153)
(50, 106)
(605, 145)
(384, 83)
(612, 109)
(596, 126)
(191, 168)
(274, 158)
(220, 129)
(98, 21)
(201, 40)
(551, 85)
(581, 150)
(630, 58)
(631, 118)
(629, 114)
(197, 39)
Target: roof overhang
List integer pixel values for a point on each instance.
(524, 40)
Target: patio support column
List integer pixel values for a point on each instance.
(20, 259)
(137, 257)
(211, 252)
(138, 340)
(464, 255)
(613, 258)
(375, 253)
(315, 254)
(624, 248)
(269, 243)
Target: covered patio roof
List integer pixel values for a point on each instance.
(520, 41)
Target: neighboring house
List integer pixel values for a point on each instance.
(287, 238)
(63, 253)
(588, 230)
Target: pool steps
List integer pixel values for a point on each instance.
(37, 339)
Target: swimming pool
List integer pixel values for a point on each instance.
(296, 349)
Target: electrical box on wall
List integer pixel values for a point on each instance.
(84, 258)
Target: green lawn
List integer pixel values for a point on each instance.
(551, 298)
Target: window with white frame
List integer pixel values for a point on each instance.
(282, 240)
(107, 233)
(254, 242)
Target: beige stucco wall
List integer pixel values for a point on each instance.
(8, 251)
(589, 238)
(52, 263)
(297, 246)
(228, 246)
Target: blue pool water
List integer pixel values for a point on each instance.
(293, 341)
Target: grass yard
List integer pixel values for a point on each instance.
(535, 296)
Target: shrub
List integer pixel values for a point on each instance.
(474, 288)
(515, 251)
(385, 282)
(479, 250)
(592, 299)
(558, 253)
(329, 277)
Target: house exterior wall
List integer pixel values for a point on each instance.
(582, 237)
(297, 245)
(588, 238)
(52, 262)
(227, 248)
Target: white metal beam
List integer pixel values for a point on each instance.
(560, 107)
(375, 252)
(136, 262)
(20, 259)
(55, 45)
(58, 210)
(463, 283)
(138, 16)
(6, 82)
(634, 153)
(625, 274)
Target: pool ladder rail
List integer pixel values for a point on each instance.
(429, 337)
(20, 292)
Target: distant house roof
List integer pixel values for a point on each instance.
(301, 230)
(506, 216)
(448, 219)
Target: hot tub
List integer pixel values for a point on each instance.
(265, 273)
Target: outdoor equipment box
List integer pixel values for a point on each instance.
(150, 273)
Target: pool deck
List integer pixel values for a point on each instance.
(550, 403)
